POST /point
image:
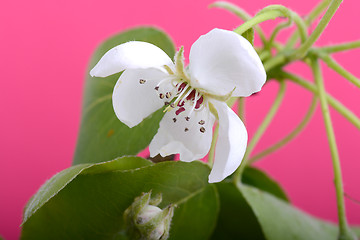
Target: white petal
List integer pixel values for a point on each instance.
(231, 143)
(133, 54)
(222, 60)
(190, 138)
(135, 97)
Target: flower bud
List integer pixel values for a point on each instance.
(144, 220)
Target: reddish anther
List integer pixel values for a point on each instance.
(199, 102)
(191, 96)
(181, 87)
(180, 110)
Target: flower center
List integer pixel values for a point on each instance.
(186, 93)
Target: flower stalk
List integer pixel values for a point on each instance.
(304, 48)
(260, 131)
(344, 230)
(290, 136)
(338, 106)
(331, 63)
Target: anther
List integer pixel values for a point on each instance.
(186, 129)
(202, 129)
(168, 95)
(156, 88)
(142, 81)
(180, 110)
(172, 105)
(174, 119)
(166, 103)
(161, 96)
(187, 118)
(201, 122)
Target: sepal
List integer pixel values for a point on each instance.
(144, 220)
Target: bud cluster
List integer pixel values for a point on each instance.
(144, 220)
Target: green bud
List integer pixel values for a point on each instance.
(144, 220)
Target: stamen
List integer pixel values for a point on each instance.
(142, 81)
(180, 110)
(185, 97)
(187, 118)
(199, 102)
(195, 101)
(169, 107)
(182, 86)
(201, 122)
(174, 119)
(186, 129)
(166, 103)
(202, 129)
(168, 94)
(156, 88)
(181, 94)
(161, 96)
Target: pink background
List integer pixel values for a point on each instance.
(45, 48)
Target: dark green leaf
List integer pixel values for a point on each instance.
(197, 216)
(91, 204)
(256, 178)
(249, 35)
(236, 219)
(60, 180)
(258, 209)
(280, 220)
(102, 136)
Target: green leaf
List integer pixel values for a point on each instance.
(280, 220)
(249, 35)
(356, 230)
(91, 202)
(259, 209)
(236, 218)
(63, 178)
(259, 179)
(102, 136)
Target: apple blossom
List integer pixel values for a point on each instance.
(222, 64)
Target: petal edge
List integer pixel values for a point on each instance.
(221, 60)
(231, 143)
(130, 55)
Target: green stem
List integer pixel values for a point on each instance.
(343, 226)
(339, 69)
(338, 106)
(264, 55)
(256, 20)
(290, 15)
(310, 18)
(276, 31)
(340, 47)
(211, 155)
(304, 48)
(260, 131)
(317, 11)
(275, 61)
(241, 109)
(241, 14)
(291, 135)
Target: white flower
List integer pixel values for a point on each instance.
(222, 64)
